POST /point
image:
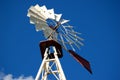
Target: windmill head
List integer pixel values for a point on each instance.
(57, 29)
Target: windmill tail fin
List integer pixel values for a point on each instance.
(81, 60)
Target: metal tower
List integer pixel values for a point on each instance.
(51, 52)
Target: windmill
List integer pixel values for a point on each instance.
(59, 35)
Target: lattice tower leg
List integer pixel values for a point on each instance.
(50, 67)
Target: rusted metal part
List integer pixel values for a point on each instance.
(46, 44)
(81, 60)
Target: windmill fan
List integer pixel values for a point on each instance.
(58, 29)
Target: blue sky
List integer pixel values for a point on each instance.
(97, 20)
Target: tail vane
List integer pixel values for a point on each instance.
(81, 60)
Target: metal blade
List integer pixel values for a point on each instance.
(72, 34)
(57, 17)
(75, 36)
(31, 13)
(34, 20)
(66, 36)
(71, 42)
(81, 60)
(41, 10)
(44, 8)
(45, 11)
(62, 41)
(36, 12)
(67, 26)
(67, 39)
(72, 31)
(51, 14)
(64, 21)
(76, 40)
(47, 31)
(65, 30)
(41, 26)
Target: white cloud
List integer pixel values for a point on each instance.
(10, 77)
